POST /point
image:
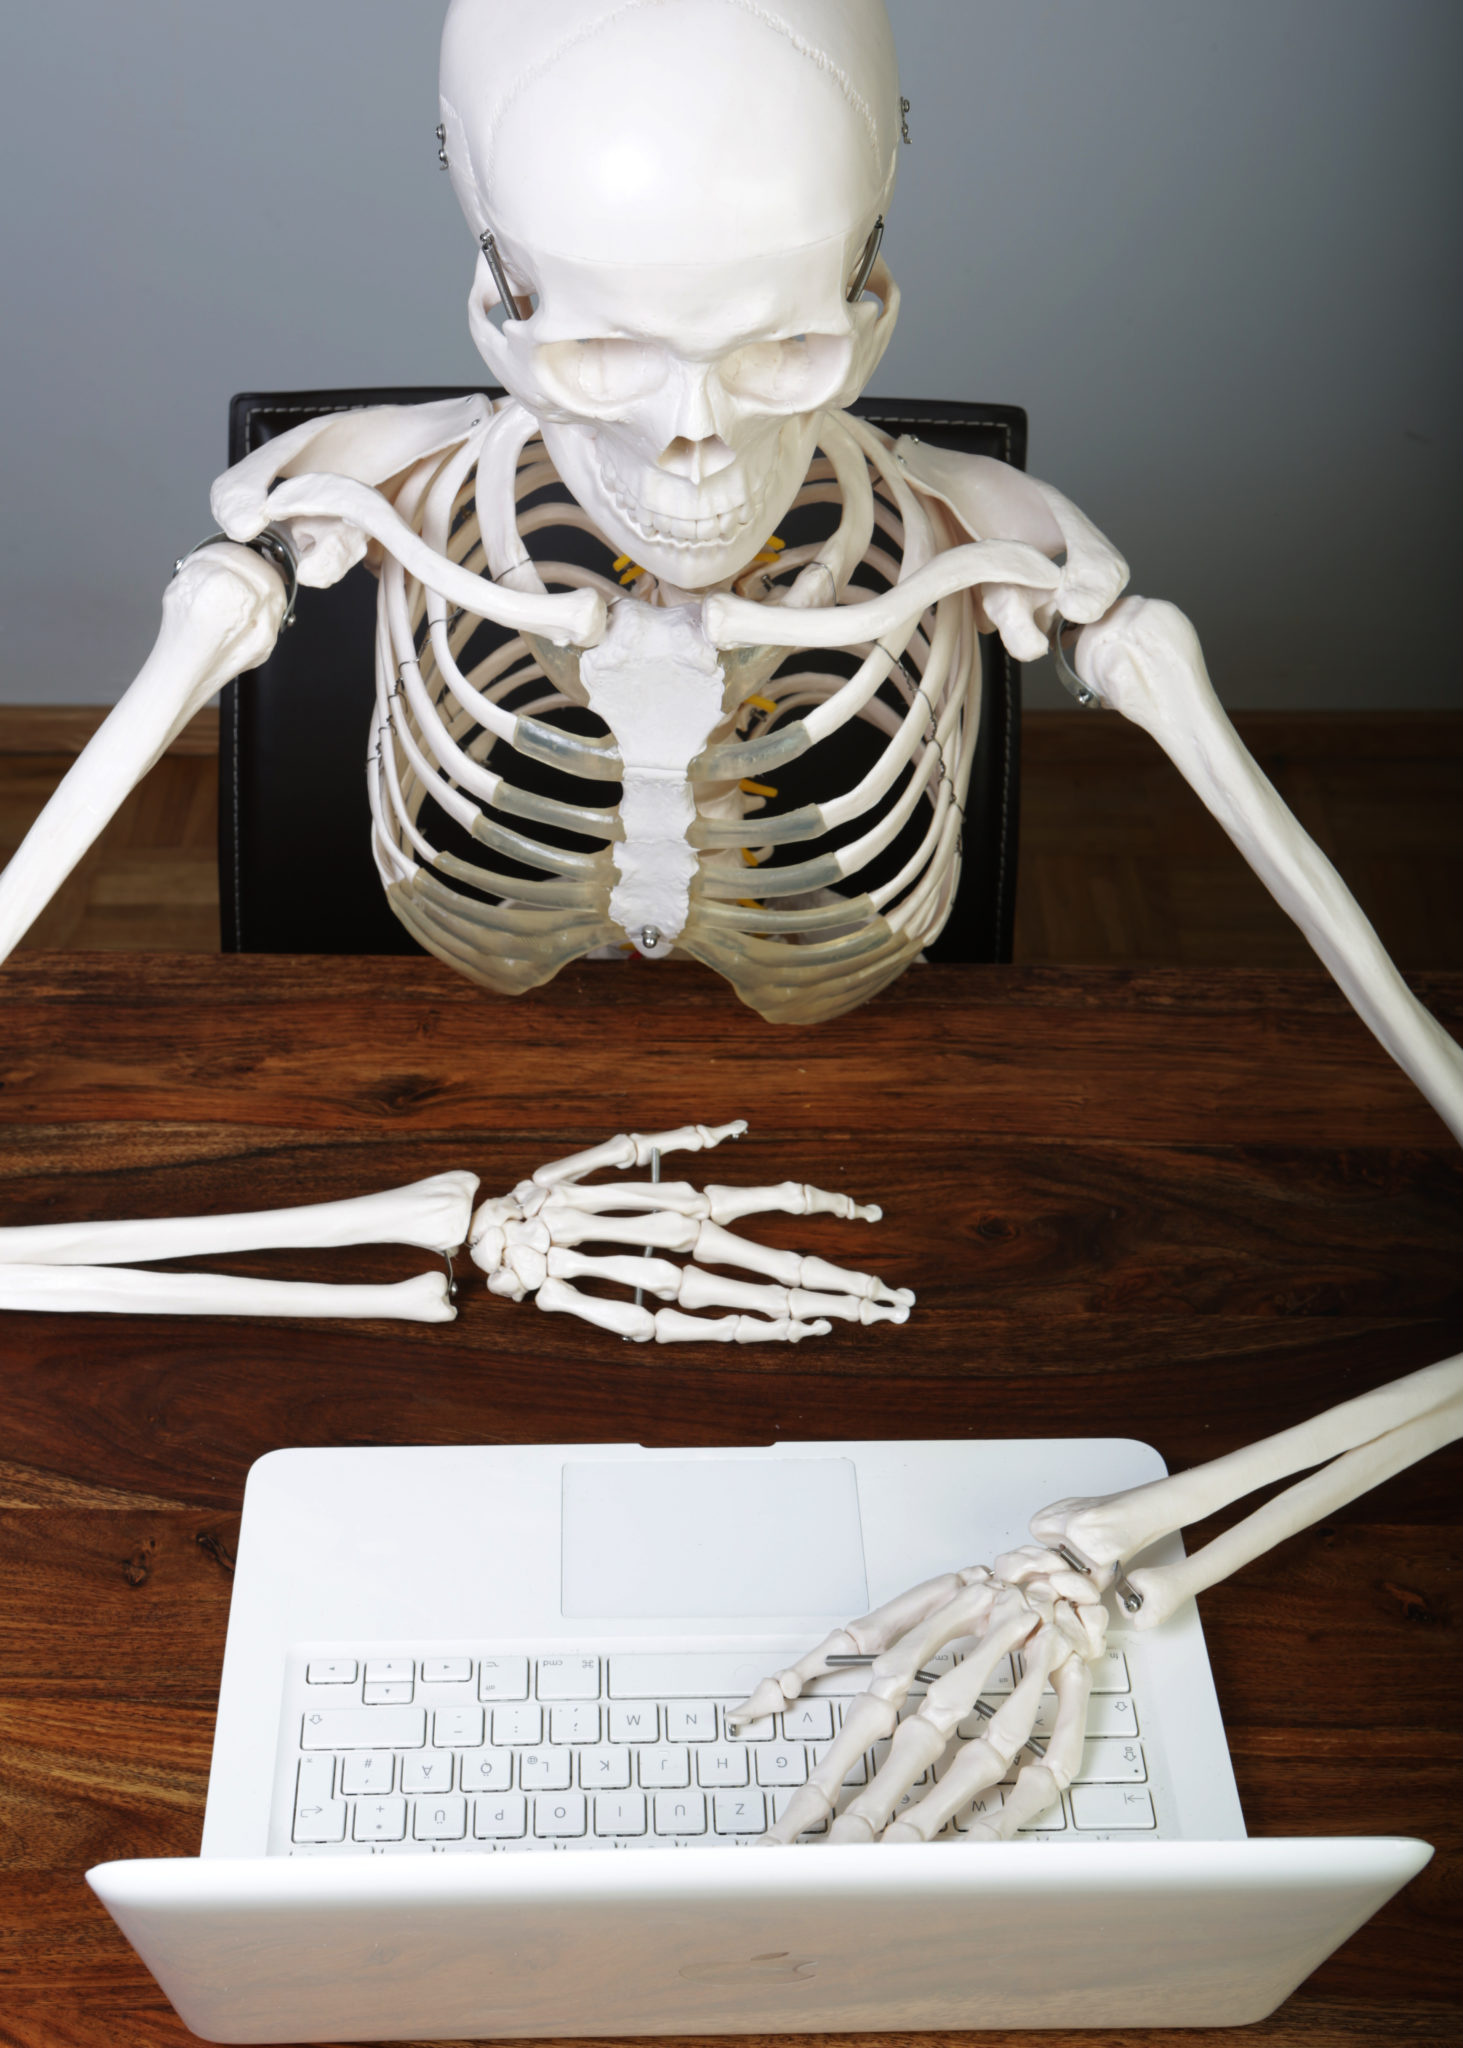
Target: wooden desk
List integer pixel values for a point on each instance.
(1188, 1207)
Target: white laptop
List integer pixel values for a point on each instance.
(472, 1775)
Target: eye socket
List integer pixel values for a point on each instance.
(791, 375)
(608, 370)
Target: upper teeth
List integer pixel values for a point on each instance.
(652, 523)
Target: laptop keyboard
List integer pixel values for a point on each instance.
(462, 1749)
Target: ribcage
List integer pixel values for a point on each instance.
(827, 805)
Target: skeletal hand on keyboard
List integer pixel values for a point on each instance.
(1046, 1601)
(527, 1242)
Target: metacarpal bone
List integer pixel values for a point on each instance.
(657, 1276)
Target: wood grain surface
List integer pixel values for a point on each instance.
(1191, 1206)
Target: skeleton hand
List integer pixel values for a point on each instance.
(1044, 1604)
(527, 1243)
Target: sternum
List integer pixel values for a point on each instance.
(656, 682)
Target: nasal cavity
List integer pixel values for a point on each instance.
(696, 460)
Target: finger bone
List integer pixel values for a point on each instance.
(656, 1276)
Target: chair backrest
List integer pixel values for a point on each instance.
(295, 867)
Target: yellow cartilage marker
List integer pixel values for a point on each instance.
(761, 703)
(748, 903)
(632, 573)
(750, 858)
(757, 788)
(622, 562)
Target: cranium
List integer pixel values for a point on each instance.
(684, 263)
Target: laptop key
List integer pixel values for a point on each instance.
(486, 1770)
(429, 1772)
(1112, 1806)
(364, 1728)
(739, 1813)
(440, 1820)
(638, 1723)
(690, 1721)
(559, 1813)
(577, 1724)
(315, 1778)
(317, 1821)
(808, 1721)
(499, 1820)
(604, 1769)
(332, 1671)
(665, 1766)
(380, 1820)
(387, 1692)
(720, 1766)
(514, 1726)
(503, 1678)
(319, 1816)
(568, 1678)
(382, 1670)
(619, 1813)
(1112, 1763)
(680, 1813)
(458, 1728)
(782, 1763)
(545, 1770)
(1112, 1714)
(446, 1670)
(367, 1770)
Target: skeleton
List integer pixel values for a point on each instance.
(1050, 1604)
(679, 210)
(528, 1242)
(679, 207)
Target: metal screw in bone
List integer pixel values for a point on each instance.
(650, 938)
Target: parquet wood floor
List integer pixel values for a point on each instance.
(1120, 864)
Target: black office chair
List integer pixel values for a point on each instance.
(294, 734)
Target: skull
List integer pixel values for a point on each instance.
(680, 194)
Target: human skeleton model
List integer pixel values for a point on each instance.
(678, 205)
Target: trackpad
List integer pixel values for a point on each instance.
(719, 1538)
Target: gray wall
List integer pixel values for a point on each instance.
(1210, 244)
